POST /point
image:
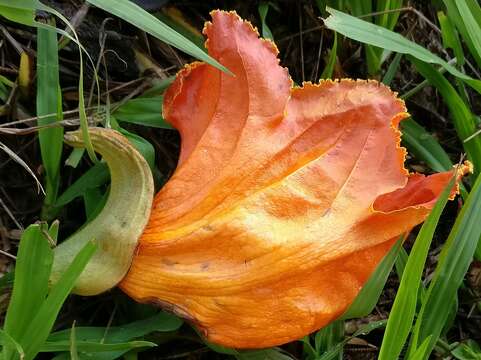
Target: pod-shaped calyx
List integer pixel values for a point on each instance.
(117, 228)
(284, 201)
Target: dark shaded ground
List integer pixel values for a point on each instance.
(305, 54)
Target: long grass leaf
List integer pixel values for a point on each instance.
(392, 69)
(455, 17)
(367, 298)
(41, 324)
(159, 322)
(73, 344)
(463, 119)
(424, 146)
(453, 264)
(331, 62)
(463, 16)
(7, 341)
(404, 307)
(91, 348)
(450, 37)
(375, 35)
(422, 351)
(364, 330)
(49, 102)
(32, 271)
(137, 16)
(263, 9)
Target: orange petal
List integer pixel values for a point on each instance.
(284, 200)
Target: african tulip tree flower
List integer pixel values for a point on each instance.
(284, 200)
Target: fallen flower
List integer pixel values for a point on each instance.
(283, 203)
(284, 200)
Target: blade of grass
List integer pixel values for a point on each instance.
(173, 17)
(454, 15)
(49, 101)
(392, 69)
(41, 324)
(263, 8)
(424, 146)
(450, 37)
(7, 341)
(328, 337)
(30, 287)
(387, 19)
(73, 344)
(364, 330)
(473, 29)
(404, 307)
(454, 261)
(368, 297)
(463, 119)
(142, 111)
(137, 16)
(372, 34)
(96, 176)
(329, 69)
(421, 351)
(267, 354)
(89, 349)
(160, 322)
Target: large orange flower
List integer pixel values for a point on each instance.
(284, 200)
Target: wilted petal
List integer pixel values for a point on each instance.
(284, 200)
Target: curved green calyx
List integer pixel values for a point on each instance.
(121, 222)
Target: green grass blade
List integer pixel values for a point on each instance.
(421, 351)
(375, 35)
(365, 330)
(392, 69)
(263, 9)
(328, 337)
(453, 264)
(41, 324)
(21, 16)
(137, 16)
(424, 146)
(388, 18)
(142, 111)
(30, 287)
(73, 344)
(450, 37)
(89, 349)
(367, 298)
(49, 101)
(96, 176)
(143, 146)
(404, 307)
(161, 322)
(267, 354)
(463, 119)
(455, 17)
(329, 69)
(473, 29)
(8, 342)
(171, 19)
